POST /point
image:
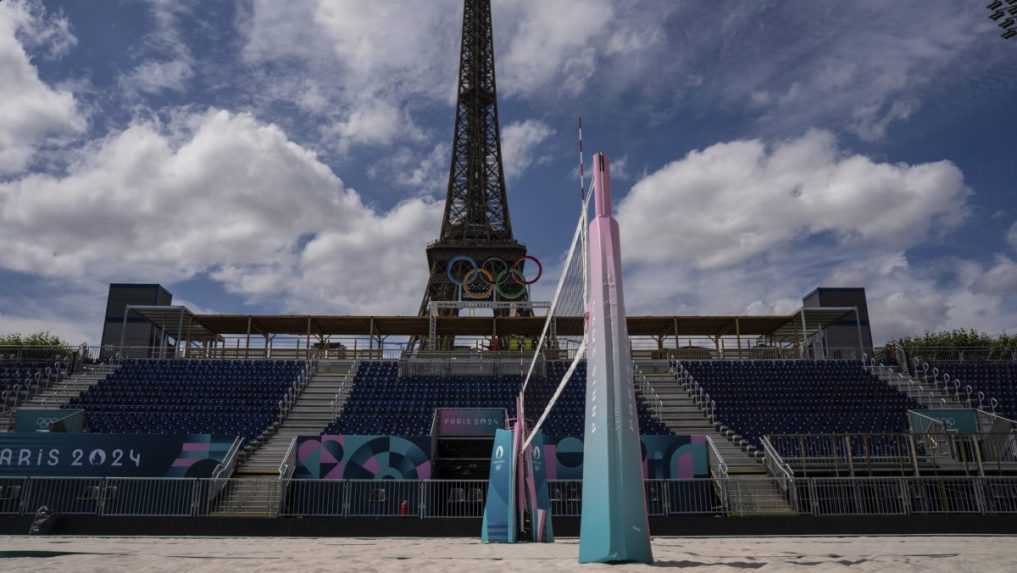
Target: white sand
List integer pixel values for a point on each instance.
(952, 554)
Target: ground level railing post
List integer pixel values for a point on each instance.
(905, 496)
(423, 497)
(978, 486)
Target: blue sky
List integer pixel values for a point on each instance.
(264, 156)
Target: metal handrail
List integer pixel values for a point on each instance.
(229, 463)
(645, 388)
(781, 470)
(224, 471)
(936, 372)
(700, 396)
(720, 465)
(288, 464)
(344, 385)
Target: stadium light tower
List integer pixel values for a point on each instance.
(1004, 12)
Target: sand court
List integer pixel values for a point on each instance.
(953, 554)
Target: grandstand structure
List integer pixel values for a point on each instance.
(183, 422)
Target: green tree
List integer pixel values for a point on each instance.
(960, 343)
(36, 339)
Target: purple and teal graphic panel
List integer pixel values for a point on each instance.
(199, 456)
(363, 457)
(468, 422)
(675, 457)
(111, 455)
(499, 524)
(540, 501)
(663, 457)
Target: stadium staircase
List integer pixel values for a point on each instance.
(683, 417)
(62, 391)
(314, 409)
(754, 495)
(256, 491)
(926, 394)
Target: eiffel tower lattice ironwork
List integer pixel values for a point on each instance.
(476, 223)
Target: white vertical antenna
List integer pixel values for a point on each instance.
(582, 168)
(583, 245)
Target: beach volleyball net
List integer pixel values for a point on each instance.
(558, 355)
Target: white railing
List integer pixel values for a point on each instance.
(170, 497)
(342, 390)
(922, 393)
(648, 392)
(718, 470)
(289, 461)
(962, 393)
(37, 378)
(224, 471)
(779, 470)
(700, 396)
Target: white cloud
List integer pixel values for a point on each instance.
(750, 227)
(423, 174)
(738, 200)
(376, 123)
(378, 63)
(220, 194)
(520, 142)
(154, 77)
(854, 66)
(33, 113)
(171, 66)
(70, 331)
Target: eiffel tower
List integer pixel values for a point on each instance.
(476, 222)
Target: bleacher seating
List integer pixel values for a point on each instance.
(383, 403)
(994, 379)
(226, 398)
(760, 397)
(20, 378)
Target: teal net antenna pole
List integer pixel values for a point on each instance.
(614, 526)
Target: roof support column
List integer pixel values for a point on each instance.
(805, 336)
(247, 348)
(738, 335)
(187, 340)
(307, 351)
(677, 343)
(861, 342)
(179, 336)
(123, 328)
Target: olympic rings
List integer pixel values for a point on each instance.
(493, 276)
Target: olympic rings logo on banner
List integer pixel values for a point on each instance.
(493, 276)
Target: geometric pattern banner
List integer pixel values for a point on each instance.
(664, 457)
(363, 457)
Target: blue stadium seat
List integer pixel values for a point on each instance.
(764, 397)
(228, 398)
(382, 402)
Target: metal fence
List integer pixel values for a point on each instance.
(186, 498)
(930, 453)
